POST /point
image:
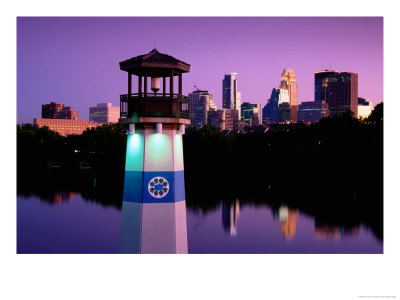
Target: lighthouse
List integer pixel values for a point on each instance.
(154, 208)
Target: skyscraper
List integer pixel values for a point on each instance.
(267, 112)
(217, 118)
(200, 102)
(232, 119)
(321, 84)
(231, 97)
(278, 108)
(224, 119)
(288, 82)
(338, 89)
(251, 114)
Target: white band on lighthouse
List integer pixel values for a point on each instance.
(159, 127)
(182, 128)
(131, 129)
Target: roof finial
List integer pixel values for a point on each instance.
(154, 51)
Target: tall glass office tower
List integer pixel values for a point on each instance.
(231, 97)
(338, 89)
(200, 102)
(277, 109)
(288, 82)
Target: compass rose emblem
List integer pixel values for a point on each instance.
(158, 187)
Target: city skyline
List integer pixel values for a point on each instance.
(75, 60)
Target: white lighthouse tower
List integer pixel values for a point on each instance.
(154, 208)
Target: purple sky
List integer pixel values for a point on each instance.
(74, 61)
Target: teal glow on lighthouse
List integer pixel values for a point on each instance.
(154, 208)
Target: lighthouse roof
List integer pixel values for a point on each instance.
(155, 64)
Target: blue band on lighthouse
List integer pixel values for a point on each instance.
(154, 167)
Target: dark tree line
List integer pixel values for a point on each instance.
(92, 163)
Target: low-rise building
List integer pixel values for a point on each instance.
(65, 126)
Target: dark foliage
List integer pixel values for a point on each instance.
(91, 163)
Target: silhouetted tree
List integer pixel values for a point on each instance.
(376, 116)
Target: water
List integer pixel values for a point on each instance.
(68, 223)
(262, 229)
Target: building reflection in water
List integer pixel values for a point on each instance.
(230, 215)
(325, 231)
(288, 219)
(59, 198)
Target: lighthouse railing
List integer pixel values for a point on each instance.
(154, 105)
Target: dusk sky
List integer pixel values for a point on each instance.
(74, 61)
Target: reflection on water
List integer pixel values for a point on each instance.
(77, 226)
(81, 226)
(272, 229)
(288, 220)
(153, 228)
(327, 231)
(230, 215)
(59, 198)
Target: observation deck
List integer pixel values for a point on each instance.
(153, 105)
(139, 107)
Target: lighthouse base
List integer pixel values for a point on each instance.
(154, 207)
